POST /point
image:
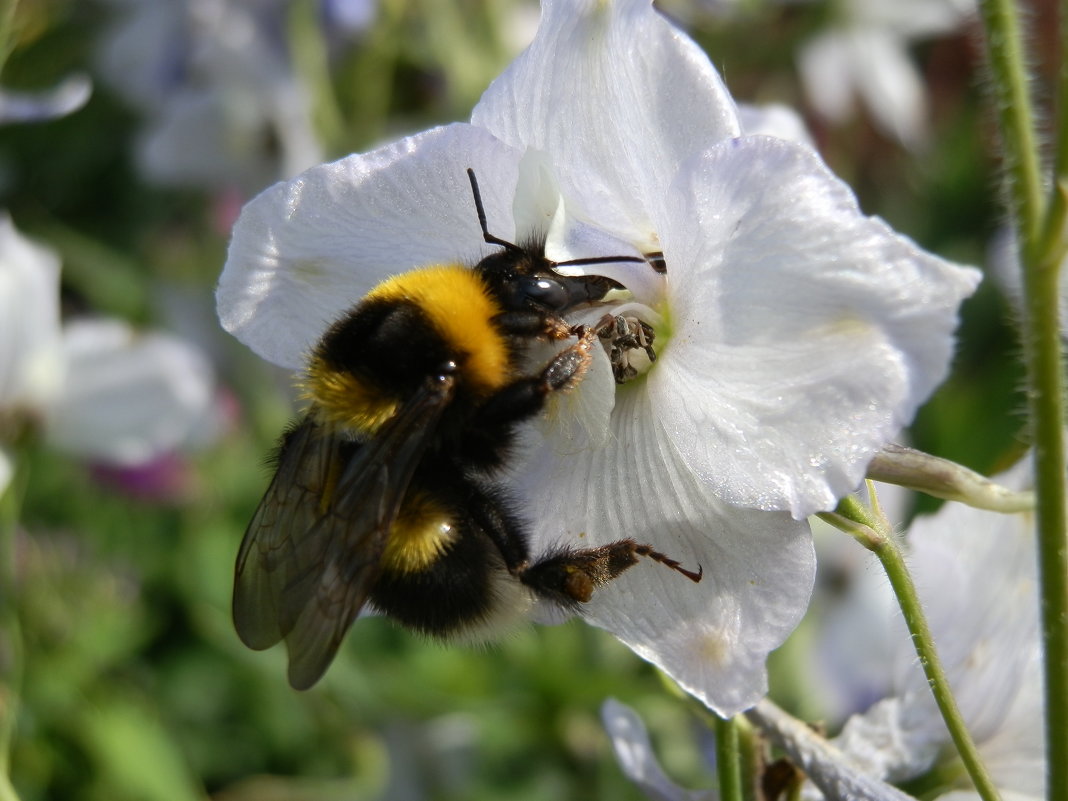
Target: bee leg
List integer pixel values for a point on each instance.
(539, 325)
(492, 517)
(569, 576)
(568, 366)
(526, 396)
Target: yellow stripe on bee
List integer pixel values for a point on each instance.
(460, 308)
(342, 399)
(420, 534)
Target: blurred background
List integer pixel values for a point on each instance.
(133, 431)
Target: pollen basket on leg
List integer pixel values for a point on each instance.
(460, 307)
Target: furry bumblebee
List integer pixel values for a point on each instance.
(383, 491)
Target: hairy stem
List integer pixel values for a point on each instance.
(872, 531)
(1040, 229)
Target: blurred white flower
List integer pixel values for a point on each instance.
(351, 16)
(7, 470)
(864, 54)
(30, 353)
(795, 335)
(64, 98)
(826, 766)
(774, 119)
(224, 106)
(99, 390)
(128, 397)
(975, 573)
(634, 753)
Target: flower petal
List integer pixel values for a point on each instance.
(64, 98)
(890, 84)
(804, 334)
(775, 119)
(975, 573)
(711, 637)
(30, 347)
(634, 752)
(305, 251)
(827, 75)
(128, 397)
(7, 470)
(593, 90)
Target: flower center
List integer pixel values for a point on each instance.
(628, 339)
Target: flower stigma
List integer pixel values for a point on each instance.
(632, 335)
(631, 331)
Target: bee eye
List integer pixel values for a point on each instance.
(545, 292)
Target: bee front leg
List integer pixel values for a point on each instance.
(525, 397)
(535, 324)
(568, 366)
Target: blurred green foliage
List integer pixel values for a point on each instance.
(134, 686)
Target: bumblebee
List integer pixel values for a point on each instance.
(384, 490)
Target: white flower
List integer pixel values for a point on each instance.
(975, 573)
(99, 390)
(64, 98)
(30, 357)
(128, 397)
(866, 55)
(634, 752)
(224, 107)
(774, 119)
(350, 16)
(7, 470)
(795, 335)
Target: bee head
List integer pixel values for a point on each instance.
(522, 277)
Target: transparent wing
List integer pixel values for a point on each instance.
(311, 553)
(275, 549)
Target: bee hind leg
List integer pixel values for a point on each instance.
(569, 576)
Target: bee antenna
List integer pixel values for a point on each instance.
(496, 240)
(597, 260)
(490, 238)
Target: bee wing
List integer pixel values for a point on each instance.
(320, 530)
(275, 548)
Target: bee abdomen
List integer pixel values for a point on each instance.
(465, 593)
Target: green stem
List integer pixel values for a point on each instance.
(1046, 382)
(7, 790)
(728, 760)
(873, 532)
(10, 636)
(1060, 150)
(7, 29)
(750, 758)
(1040, 229)
(1043, 263)
(1004, 47)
